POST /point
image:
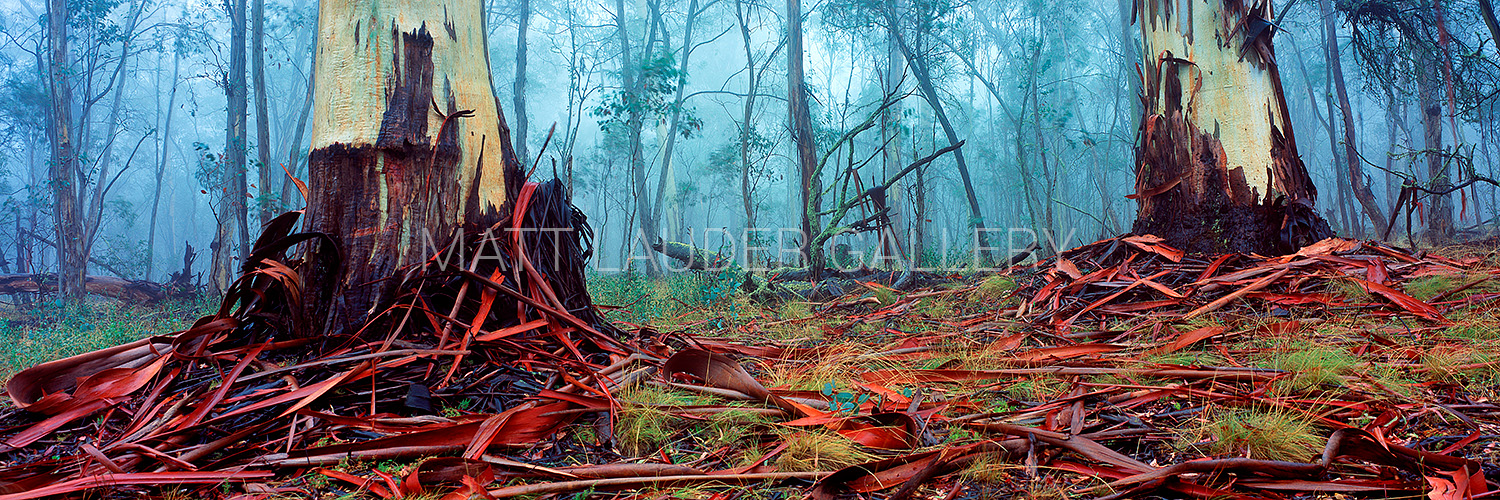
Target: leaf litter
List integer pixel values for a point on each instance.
(1119, 369)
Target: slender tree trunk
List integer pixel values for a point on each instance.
(294, 153)
(890, 136)
(1487, 11)
(1439, 215)
(752, 84)
(93, 214)
(1325, 118)
(675, 128)
(1217, 166)
(231, 216)
(523, 154)
(71, 261)
(391, 178)
(634, 94)
(267, 203)
(807, 154)
(1359, 185)
(1340, 174)
(919, 68)
(919, 222)
(161, 165)
(293, 144)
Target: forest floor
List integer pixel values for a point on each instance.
(1107, 372)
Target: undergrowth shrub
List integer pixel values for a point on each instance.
(642, 299)
(50, 329)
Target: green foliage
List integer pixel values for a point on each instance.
(53, 330)
(1349, 292)
(656, 81)
(730, 428)
(640, 425)
(646, 300)
(819, 450)
(726, 163)
(1479, 327)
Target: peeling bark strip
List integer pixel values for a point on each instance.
(1217, 165)
(408, 146)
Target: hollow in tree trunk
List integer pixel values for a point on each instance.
(1217, 165)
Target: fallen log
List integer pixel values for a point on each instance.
(108, 286)
(693, 257)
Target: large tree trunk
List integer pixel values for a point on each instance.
(391, 179)
(71, 263)
(807, 150)
(1217, 164)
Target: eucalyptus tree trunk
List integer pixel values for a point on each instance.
(519, 87)
(408, 145)
(161, 165)
(675, 120)
(752, 84)
(890, 136)
(634, 92)
(806, 154)
(1358, 183)
(94, 213)
(1217, 163)
(231, 216)
(71, 260)
(918, 64)
(1439, 207)
(267, 203)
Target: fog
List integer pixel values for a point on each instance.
(1043, 94)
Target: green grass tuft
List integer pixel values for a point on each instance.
(1260, 433)
(1311, 365)
(995, 288)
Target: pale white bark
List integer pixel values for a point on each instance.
(359, 40)
(1237, 100)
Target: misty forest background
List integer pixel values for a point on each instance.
(181, 145)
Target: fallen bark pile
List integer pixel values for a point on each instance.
(1062, 378)
(1134, 275)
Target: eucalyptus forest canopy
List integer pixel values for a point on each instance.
(986, 123)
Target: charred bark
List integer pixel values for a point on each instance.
(1217, 164)
(405, 158)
